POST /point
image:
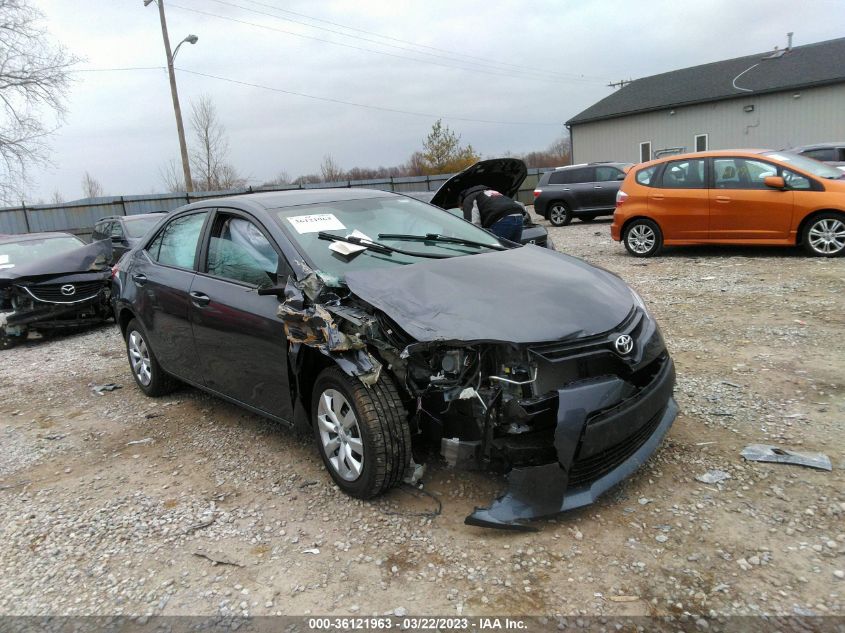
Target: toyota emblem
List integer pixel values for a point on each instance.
(624, 344)
(68, 290)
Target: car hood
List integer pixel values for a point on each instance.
(505, 175)
(524, 295)
(88, 258)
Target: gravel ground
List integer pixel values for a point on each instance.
(217, 511)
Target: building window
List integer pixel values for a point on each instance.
(645, 151)
(701, 142)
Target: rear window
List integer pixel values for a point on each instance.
(825, 153)
(645, 176)
(138, 227)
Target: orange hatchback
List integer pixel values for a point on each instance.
(732, 197)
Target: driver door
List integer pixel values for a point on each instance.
(241, 346)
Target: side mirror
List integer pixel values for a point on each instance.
(775, 182)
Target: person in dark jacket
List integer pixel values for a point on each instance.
(492, 210)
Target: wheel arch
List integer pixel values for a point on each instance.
(123, 318)
(799, 237)
(640, 217)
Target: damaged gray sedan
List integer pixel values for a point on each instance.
(394, 332)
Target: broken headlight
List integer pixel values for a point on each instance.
(446, 367)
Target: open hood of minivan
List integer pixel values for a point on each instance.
(505, 175)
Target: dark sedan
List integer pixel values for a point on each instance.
(391, 330)
(124, 231)
(51, 281)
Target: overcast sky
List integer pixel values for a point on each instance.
(525, 68)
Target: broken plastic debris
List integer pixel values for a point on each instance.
(101, 389)
(146, 440)
(311, 550)
(768, 453)
(713, 477)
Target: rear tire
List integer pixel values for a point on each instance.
(824, 235)
(146, 371)
(362, 433)
(559, 214)
(6, 341)
(643, 238)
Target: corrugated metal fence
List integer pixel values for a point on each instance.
(79, 217)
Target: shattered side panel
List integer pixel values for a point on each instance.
(312, 324)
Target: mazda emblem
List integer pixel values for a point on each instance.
(68, 290)
(624, 344)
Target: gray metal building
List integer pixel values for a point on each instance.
(789, 97)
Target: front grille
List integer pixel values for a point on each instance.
(564, 350)
(52, 293)
(587, 470)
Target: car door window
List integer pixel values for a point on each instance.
(684, 174)
(240, 252)
(176, 243)
(794, 180)
(824, 153)
(741, 173)
(571, 176)
(607, 174)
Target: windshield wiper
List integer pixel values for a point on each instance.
(436, 237)
(378, 247)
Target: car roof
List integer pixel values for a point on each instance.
(594, 163)
(707, 154)
(834, 145)
(26, 237)
(295, 197)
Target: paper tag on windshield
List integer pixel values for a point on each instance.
(345, 248)
(315, 223)
(4, 259)
(3, 266)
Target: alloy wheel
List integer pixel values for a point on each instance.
(340, 434)
(641, 238)
(139, 357)
(557, 215)
(827, 236)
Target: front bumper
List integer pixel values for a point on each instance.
(596, 449)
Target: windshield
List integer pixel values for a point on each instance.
(810, 165)
(138, 227)
(27, 251)
(371, 217)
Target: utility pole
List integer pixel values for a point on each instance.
(619, 84)
(183, 147)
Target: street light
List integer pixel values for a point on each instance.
(180, 129)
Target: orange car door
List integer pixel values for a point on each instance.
(742, 207)
(679, 201)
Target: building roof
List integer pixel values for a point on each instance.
(800, 67)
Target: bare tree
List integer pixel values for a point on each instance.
(34, 78)
(171, 176)
(211, 148)
(442, 151)
(330, 170)
(91, 187)
(56, 197)
(280, 179)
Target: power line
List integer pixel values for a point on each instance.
(359, 48)
(109, 70)
(396, 39)
(428, 115)
(500, 66)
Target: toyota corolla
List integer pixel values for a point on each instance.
(395, 332)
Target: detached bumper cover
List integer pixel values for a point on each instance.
(595, 451)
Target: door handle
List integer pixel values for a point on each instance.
(657, 196)
(722, 199)
(200, 299)
(139, 279)
(598, 187)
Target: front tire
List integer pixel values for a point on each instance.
(362, 433)
(559, 214)
(146, 371)
(824, 235)
(643, 238)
